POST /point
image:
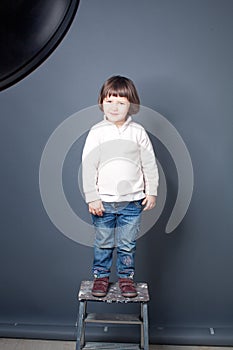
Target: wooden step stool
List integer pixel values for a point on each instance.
(113, 296)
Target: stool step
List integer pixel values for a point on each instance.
(113, 318)
(107, 346)
(114, 294)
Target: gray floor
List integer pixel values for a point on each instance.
(28, 344)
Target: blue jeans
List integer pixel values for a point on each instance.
(118, 227)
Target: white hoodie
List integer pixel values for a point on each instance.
(118, 164)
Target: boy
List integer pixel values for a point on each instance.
(120, 179)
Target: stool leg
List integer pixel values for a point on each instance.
(80, 333)
(145, 326)
(142, 327)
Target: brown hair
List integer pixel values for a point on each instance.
(123, 87)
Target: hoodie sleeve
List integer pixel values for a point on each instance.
(148, 164)
(90, 163)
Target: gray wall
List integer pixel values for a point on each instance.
(180, 54)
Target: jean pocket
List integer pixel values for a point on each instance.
(138, 203)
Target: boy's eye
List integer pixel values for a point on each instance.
(119, 102)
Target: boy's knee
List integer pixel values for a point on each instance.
(104, 244)
(126, 246)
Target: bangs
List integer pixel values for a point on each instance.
(117, 89)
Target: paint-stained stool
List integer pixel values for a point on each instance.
(113, 296)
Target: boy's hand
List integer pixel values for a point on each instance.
(96, 208)
(149, 202)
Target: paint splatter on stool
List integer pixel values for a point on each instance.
(114, 293)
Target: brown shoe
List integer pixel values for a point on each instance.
(100, 287)
(127, 287)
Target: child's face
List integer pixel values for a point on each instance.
(116, 109)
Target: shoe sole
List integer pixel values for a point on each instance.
(129, 295)
(98, 294)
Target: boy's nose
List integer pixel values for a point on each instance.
(115, 106)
